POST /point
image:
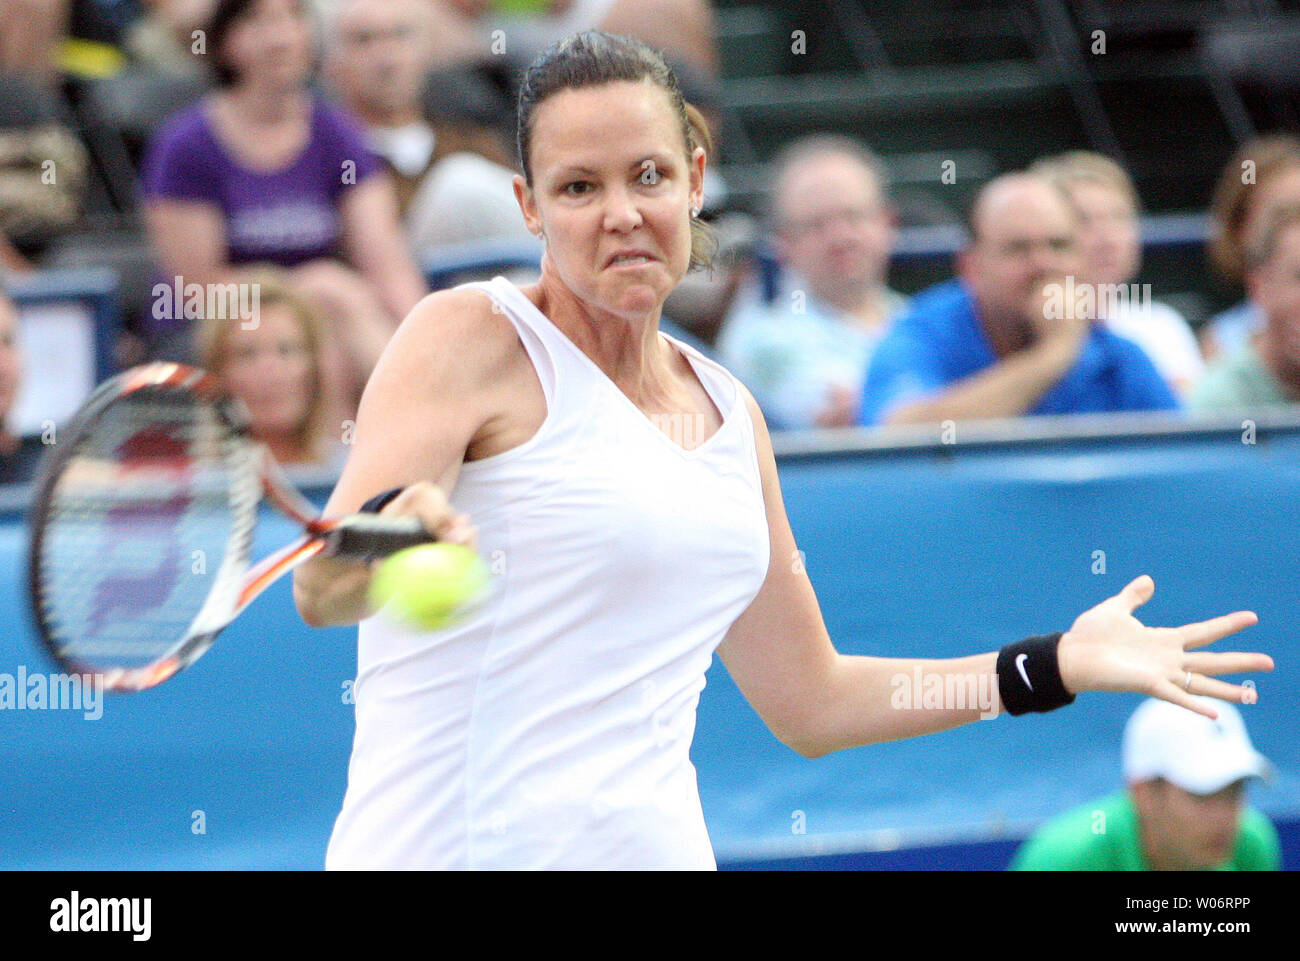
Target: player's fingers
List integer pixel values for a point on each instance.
(1207, 632)
(460, 531)
(1227, 662)
(1137, 592)
(1210, 687)
(419, 494)
(427, 502)
(1174, 694)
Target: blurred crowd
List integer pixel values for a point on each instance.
(1045, 313)
(325, 150)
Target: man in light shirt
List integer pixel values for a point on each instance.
(804, 355)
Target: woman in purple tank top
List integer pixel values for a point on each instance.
(266, 171)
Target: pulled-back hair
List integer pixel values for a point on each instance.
(1268, 156)
(1260, 249)
(594, 58)
(225, 17)
(1065, 170)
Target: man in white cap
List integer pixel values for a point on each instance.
(1183, 810)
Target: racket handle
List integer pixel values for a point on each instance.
(373, 535)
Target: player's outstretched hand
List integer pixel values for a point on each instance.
(1108, 649)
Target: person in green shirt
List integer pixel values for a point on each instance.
(1266, 369)
(1183, 810)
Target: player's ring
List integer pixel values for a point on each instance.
(1187, 684)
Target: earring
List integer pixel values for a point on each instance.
(695, 212)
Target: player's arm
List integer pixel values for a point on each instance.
(422, 407)
(814, 699)
(817, 700)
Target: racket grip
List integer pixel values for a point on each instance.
(373, 535)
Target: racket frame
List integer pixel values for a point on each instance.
(363, 536)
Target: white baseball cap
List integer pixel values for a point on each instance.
(1163, 740)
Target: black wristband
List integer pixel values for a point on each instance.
(379, 501)
(1029, 676)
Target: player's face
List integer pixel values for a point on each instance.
(1108, 234)
(271, 44)
(10, 366)
(1196, 832)
(270, 369)
(612, 192)
(836, 229)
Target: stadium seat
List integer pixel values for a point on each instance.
(1258, 55)
(479, 260)
(125, 252)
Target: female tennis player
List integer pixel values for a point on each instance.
(624, 490)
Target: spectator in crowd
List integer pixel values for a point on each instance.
(457, 40)
(31, 32)
(682, 29)
(1004, 339)
(163, 38)
(1183, 809)
(44, 172)
(453, 178)
(1106, 203)
(1262, 175)
(273, 364)
(1266, 368)
(804, 356)
(264, 171)
(18, 455)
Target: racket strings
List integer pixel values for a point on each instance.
(146, 518)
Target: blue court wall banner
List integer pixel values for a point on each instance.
(943, 551)
(916, 549)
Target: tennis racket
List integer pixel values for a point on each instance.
(142, 524)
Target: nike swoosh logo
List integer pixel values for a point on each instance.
(1020, 666)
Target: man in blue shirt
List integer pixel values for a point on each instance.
(1001, 340)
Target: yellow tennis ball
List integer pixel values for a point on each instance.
(429, 586)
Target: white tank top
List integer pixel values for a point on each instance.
(552, 729)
